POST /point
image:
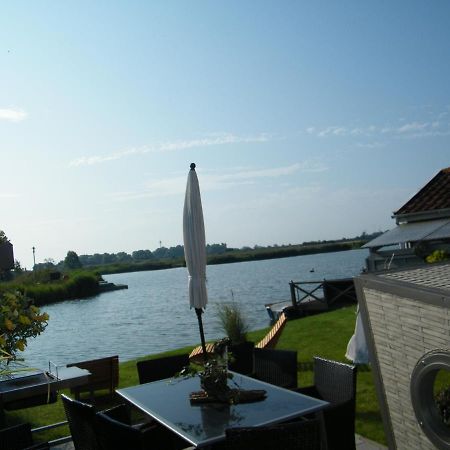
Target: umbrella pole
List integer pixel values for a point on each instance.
(199, 312)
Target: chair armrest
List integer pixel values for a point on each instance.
(41, 446)
(121, 413)
(340, 411)
(310, 391)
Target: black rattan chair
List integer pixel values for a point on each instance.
(335, 382)
(278, 367)
(112, 435)
(304, 435)
(161, 368)
(18, 437)
(81, 418)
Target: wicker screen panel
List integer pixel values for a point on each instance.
(434, 276)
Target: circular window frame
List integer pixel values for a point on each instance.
(422, 396)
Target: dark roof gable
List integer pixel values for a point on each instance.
(435, 195)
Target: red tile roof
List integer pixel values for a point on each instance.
(433, 196)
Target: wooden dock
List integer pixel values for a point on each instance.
(106, 286)
(314, 297)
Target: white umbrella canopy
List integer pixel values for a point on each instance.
(195, 248)
(194, 242)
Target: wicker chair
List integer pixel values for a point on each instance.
(335, 382)
(18, 437)
(81, 418)
(278, 367)
(113, 434)
(304, 435)
(161, 368)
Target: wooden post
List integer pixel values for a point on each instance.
(293, 299)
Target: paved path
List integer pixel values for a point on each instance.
(361, 444)
(364, 444)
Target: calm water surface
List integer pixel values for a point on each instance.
(153, 314)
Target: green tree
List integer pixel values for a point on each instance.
(3, 237)
(71, 261)
(17, 267)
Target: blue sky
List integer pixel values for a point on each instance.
(307, 120)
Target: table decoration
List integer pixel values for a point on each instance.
(214, 380)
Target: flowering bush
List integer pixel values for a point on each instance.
(437, 256)
(19, 320)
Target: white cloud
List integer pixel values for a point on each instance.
(13, 114)
(405, 130)
(7, 195)
(370, 145)
(216, 181)
(170, 146)
(413, 126)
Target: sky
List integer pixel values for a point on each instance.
(306, 120)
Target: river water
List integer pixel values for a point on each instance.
(153, 314)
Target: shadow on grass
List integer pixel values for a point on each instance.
(368, 416)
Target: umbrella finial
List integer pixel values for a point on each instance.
(192, 166)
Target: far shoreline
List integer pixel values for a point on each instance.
(231, 257)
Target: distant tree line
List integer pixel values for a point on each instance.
(100, 259)
(74, 261)
(164, 257)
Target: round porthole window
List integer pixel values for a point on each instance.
(430, 396)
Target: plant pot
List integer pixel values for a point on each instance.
(242, 361)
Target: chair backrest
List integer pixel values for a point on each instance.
(277, 367)
(160, 368)
(304, 435)
(112, 434)
(81, 418)
(104, 374)
(335, 381)
(242, 358)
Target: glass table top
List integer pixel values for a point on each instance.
(202, 424)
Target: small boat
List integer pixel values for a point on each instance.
(107, 286)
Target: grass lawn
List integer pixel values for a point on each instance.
(325, 335)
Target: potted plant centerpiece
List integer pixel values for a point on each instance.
(213, 375)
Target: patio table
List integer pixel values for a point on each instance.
(27, 385)
(167, 401)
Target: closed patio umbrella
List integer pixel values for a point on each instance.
(195, 249)
(357, 347)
